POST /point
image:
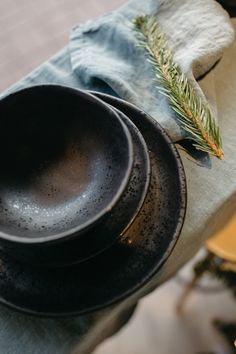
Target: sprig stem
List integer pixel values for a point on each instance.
(194, 114)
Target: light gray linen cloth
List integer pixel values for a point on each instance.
(102, 55)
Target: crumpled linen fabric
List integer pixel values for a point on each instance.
(106, 57)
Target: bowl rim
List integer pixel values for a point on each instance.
(82, 228)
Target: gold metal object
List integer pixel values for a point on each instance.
(223, 243)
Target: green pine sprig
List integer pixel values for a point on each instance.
(194, 114)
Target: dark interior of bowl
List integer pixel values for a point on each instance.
(63, 160)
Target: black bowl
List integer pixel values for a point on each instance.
(109, 230)
(66, 160)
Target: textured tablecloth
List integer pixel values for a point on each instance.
(211, 201)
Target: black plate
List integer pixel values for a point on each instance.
(129, 263)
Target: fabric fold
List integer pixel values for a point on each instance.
(105, 56)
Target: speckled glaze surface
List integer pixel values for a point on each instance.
(65, 168)
(129, 263)
(108, 230)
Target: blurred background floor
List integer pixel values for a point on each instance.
(157, 328)
(31, 32)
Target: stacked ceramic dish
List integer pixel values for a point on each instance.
(93, 198)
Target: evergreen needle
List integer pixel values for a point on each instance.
(194, 115)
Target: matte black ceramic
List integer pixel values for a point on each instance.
(230, 6)
(66, 159)
(128, 264)
(108, 230)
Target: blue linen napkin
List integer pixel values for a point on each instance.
(105, 56)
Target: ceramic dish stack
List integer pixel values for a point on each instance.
(92, 200)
